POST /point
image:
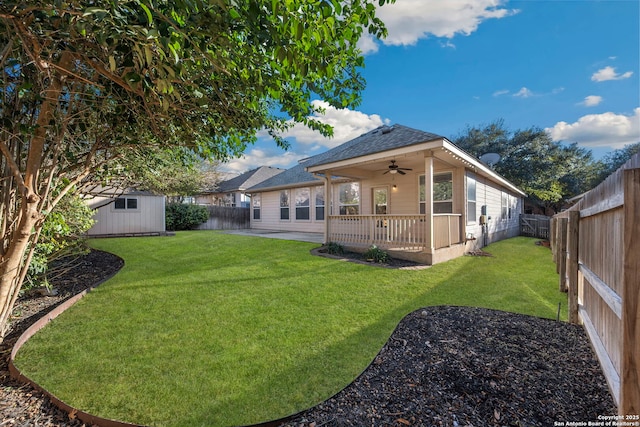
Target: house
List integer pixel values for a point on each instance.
(128, 213)
(232, 192)
(410, 192)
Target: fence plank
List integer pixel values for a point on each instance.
(630, 366)
(609, 296)
(562, 247)
(572, 264)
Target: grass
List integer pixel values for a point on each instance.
(206, 328)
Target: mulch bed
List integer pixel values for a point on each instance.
(442, 366)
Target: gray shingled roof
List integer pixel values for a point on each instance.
(378, 140)
(295, 175)
(248, 179)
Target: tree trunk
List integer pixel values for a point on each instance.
(29, 219)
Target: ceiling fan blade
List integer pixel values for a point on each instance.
(384, 173)
(401, 172)
(405, 169)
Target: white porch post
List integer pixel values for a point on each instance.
(327, 206)
(428, 195)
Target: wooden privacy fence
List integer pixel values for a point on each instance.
(535, 226)
(226, 218)
(596, 247)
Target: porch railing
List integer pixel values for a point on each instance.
(395, 231)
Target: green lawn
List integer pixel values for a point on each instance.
(209, 329)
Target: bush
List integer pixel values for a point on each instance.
(62, 236)
(376, 254)
(180, 216)
(335, 248)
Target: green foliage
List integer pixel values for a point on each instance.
(614, 160)
(335, 248)
(181, 216)
(376, 254)
(62, 235)
(548, 171)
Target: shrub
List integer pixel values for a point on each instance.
(335, 248)
(376, 254)
(62, 236)
(180, 216)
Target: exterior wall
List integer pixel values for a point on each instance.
(242, 200)
(149, 217)
(270, 214)
(490, 194)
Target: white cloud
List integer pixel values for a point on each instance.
(600, 130)
(408, 21)
(523, 93)
(347, 124)
(591, 101)
(501, 92)
(609, 73)
(257, 157)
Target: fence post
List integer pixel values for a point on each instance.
(562, 249)
(573, 231)
(630, 365)
(553, 242)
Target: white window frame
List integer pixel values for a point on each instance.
(285, 206)
(300, 200)
(422, 193)
(349, 206)
(319, 203)
(126, 207)
(256, 206)
(472, 211)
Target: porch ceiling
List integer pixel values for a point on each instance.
(374, 167)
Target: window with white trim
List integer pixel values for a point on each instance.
(349, 198)
(126, 203)
(319, 203)
(302, 203)
(471, 198)
(284, 204)
(442, 193)
(256, 202)
(504, 207)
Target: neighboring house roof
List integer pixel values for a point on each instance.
(247, 180)
(381, 139)
(297, 175)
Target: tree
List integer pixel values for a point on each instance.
(548, 171)
(85, 83)
(614, 160)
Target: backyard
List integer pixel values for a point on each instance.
(206, 328)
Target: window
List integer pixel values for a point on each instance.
(302, 203)
(349, 198)
(471, 198)
(284, 205)
(319, 203)
(504, 206)
(442, 193)
(126, 203)
(256, 206)
(513, 205)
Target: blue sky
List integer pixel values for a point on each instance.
(570, 67)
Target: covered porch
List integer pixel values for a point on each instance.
(422, 238)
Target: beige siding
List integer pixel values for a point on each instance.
(489, 194)
(270, 214)
(149, 217)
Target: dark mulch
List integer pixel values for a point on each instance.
(449, 366)
(462, 366)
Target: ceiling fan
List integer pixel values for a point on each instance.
(393, 168)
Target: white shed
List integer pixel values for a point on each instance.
(131, 213)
